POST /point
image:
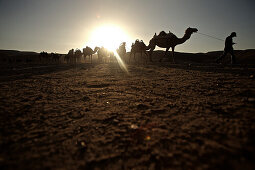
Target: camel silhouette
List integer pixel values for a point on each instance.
(138, 47)
(77, 55)
(44, 57)
(168, 40)
(68, 57)
(55, 57)
(103, 54)
(112, 57)
(122, 51)
(89, 52)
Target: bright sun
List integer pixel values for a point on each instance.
(108, 36)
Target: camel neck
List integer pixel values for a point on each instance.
(184, 38)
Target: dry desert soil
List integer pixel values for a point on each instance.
(156, 116)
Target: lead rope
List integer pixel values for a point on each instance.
(214, 38)
(211, 36)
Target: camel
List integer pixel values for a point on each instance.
(113, 58)
(55, 57)
(165, 40)
(89, 52)
(77, 55)
(44, 57)
(68, 57)
(122, 50)
(103, 54)
(138, 47)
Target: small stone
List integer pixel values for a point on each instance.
(251, 99)
(116, 120)
(83, 144)
(148, 138)
(133, 126)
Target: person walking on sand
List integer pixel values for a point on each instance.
(228, 49)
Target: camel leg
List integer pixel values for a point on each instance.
(164, 54)
(173, 54)
(130, 57)
(150, 53)
(141, 56)
(145, 52)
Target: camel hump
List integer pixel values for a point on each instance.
(162, 33)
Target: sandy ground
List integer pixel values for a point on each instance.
(159, 116)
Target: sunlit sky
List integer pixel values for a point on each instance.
(59, 25)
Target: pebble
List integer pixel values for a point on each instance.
(251, 99)
(116, 120)
(133, 126)
(148, 138)
(83, 144)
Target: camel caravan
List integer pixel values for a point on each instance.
(44, 57)
(162, 40)
(104, 55)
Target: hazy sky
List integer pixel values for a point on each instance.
(59, 25)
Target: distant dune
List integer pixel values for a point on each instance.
(6, 53)
(243, 56)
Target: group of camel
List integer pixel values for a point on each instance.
(45, 57)
(75, 56)
(162, 40)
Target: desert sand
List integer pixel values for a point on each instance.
(158, 116)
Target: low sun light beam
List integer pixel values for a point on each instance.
(110, 37)
(121, 63)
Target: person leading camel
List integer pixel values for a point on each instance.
(228, 49)
(122, 50)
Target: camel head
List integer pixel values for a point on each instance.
(190, 31)
(96, 49)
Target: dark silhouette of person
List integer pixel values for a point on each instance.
(229, 48)
(122, 49)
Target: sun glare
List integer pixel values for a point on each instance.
(108, 36)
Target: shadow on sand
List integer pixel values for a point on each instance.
(240, 69)
(11, 74)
